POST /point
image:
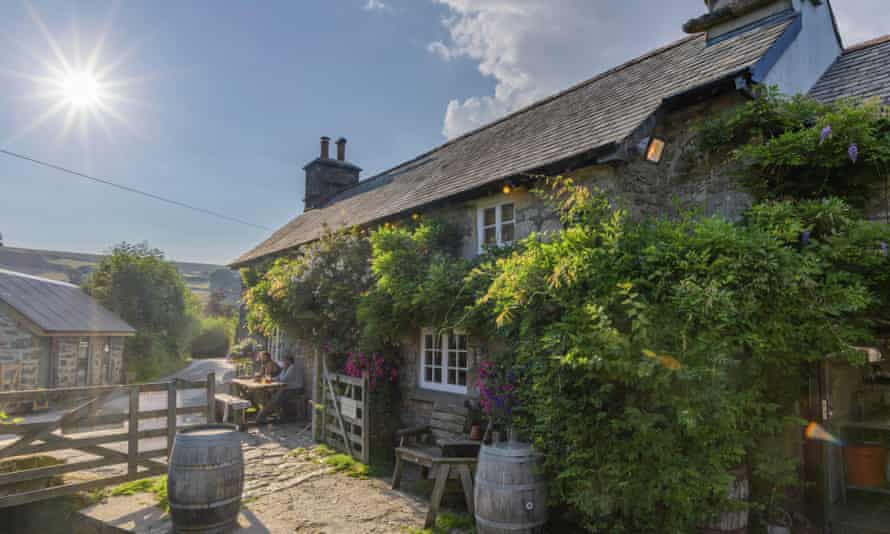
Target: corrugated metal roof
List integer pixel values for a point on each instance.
(593, 114)
(58, 307)
(863, 71)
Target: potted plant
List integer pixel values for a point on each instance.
(780, 473)
(497, 397)
(475, 417)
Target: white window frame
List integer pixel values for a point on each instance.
(446, 364)
(498, 206)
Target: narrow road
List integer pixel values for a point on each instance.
(196, 370)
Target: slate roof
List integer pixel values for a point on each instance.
(58, 307)
(862, 71)
(603, 110)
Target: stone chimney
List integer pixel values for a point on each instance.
(326, 177)
(724, 16)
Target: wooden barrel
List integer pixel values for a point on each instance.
(509, 494)
(735, 521)
(205, 479)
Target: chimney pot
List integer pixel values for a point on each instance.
(341, 149)
(325, 147)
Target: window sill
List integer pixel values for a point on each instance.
(434, 396)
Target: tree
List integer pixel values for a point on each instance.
(148, 292)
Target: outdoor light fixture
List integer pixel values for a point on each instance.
(507, 189)
(415, 216)
(655, 150)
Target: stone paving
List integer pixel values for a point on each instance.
(288, 493)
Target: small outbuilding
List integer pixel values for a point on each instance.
(52, 334)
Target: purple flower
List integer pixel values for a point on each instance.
(883, 248)
(805, 237)
(853, 151)
(826, 133)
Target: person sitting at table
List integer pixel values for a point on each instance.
(292, 378)
(269, 368)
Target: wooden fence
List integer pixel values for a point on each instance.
(45, 433)
(345, 424)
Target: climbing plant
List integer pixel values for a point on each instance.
(655, 354)
(799, 148)
(314, 294)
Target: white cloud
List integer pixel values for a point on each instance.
(376, 5)
(861, 20)
(440, 49)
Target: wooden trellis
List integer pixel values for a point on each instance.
(345, 417)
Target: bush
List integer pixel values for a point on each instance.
(214, 338)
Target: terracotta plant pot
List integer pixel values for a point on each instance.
(476, 432)
(865, 465)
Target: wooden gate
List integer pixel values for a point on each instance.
(345, 416)
(44, 433)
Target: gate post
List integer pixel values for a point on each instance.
(171, 415)
(133, 434)
(211, 398)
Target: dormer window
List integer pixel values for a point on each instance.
(497, 225)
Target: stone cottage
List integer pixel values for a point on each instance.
(52, 334)
(629, 130)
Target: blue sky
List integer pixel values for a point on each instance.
(219, 104)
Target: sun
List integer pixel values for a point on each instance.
(81, 90)
(74, 88)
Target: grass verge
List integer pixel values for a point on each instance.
(447, 522)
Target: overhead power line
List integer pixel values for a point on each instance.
(133, 190)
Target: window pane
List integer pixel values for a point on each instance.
(461, 342)
(507, 233)
(437, 359)
(437, 375)
(428, 341)
(489, 217)
(462, 360)
(452, 341)
(506, 212)
(428, 374)
(452, 377)
(461, 378)
(491, 236)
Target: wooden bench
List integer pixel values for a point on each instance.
(442, 448)
(237, 406)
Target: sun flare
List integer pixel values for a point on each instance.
(75, 88)
(81, 90)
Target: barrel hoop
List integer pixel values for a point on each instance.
(512, 487)
(216, 504)
(510, 459)
(205, 467)
(508, 526)
(205, 528)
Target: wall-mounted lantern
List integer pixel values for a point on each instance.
(655, 150)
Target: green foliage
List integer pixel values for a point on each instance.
(799, 148)
(680, 340)
(343, 463)
(448, 523)
(418, 281)
(157, 486)
(149, 293)
(314, 295)
(214, 337)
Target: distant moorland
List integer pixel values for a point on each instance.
(75, 266)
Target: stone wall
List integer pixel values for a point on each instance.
(65, 349)
(20, 353)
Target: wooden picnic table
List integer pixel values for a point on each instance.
(258, 392)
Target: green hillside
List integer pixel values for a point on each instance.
(74, 266)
